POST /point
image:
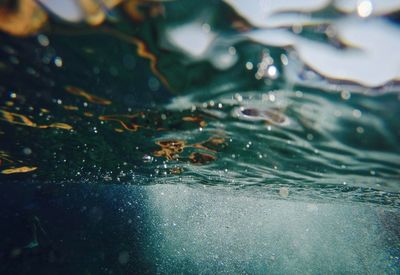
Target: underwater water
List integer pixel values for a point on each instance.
(232, 136)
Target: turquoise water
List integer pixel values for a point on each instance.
(297, 102)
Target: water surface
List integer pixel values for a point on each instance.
(246, 101)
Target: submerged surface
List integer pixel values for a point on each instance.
(236, 102)
(164, 229)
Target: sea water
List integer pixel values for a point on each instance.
(253, 136)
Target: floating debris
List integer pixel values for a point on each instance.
(57, 125)
(91, 98)
(19, 119)
(170, 149)
(21, 17)
(71, 108)
(23, 169)
(125, 120)
(201, 158)
(88, 114)
(197, 119)
(212, 144)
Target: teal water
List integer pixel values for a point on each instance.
(297, 102)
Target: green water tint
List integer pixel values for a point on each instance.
(144, 110)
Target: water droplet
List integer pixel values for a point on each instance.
(364, 8)
(272, 72)
(43, 40)
(249, 65)
(345, 95)
(238, 97)
(297, 28)
(360, 130)
(58, 61)
(27, 151)
(206, 27)
(372, 172)
(271, 97)
(356, 113)
(299, 94)
(284, 59)
(147, 158)
(232, 50)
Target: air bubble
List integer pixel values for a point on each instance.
(284, 59)
(345, 95)
(43, 40)
(58, 61)
(272, 72)
(27, 151)
(249, 66)
(364, 8)
(356, 113)
(271, 97)
(206, 27)
(147, 158)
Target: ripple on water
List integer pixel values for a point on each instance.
(273, 99)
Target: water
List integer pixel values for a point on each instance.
(295, 101)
